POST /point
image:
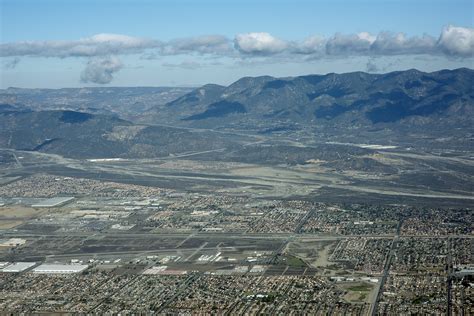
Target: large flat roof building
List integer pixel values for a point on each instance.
(47, 268)
(17, 267)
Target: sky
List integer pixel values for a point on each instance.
(73, 43)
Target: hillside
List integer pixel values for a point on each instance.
(125, 102)
(352, 100)
(428, 111)
(84, 135)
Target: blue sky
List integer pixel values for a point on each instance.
(165, 41)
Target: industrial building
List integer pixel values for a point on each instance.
(47, 268)
(53, 202)
(17, 267)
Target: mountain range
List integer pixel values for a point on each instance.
(343, 100)
(409, 107)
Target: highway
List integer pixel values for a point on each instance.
(386, 270)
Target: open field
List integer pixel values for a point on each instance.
(315, 253)
(405, 177)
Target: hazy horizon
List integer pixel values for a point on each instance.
(206, 83)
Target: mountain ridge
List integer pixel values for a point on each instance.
(404, 108)
(368, 98)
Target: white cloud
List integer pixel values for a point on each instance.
(100, 70)
(365, 36)
(97, 45)
(259, 44)
(454, 41)
(388, 43)
(207, 44)
(311, 45)
(457, 41)
(351, 44)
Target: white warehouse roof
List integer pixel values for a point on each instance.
(17, 267)
(59, 268)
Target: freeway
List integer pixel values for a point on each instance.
(449, 281)
(386, 269)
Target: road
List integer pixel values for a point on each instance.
(449, 280)
(181, 288)
(386, 269)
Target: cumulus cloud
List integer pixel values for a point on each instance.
(366, 36)
(114, 44)
(97, 45)
(385, 43)
(259, 44)
(208, 44)
(453, 42)
(399, 44)
(341, 44)
(101, 70)
(310, 46)
(457, 41)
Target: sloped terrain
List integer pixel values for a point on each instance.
(353, 100)
(125, 102)
(84, 135)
